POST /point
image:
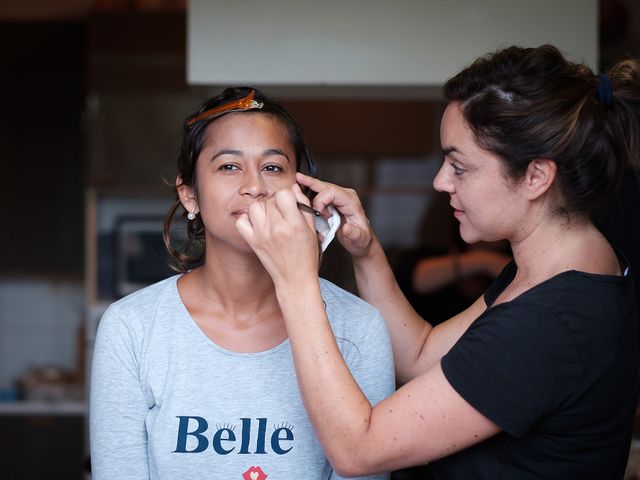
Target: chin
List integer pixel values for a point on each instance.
(471, 237)
(475, 237)
(468, 237)
(235, 242)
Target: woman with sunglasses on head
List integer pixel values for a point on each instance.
(193, 376)
(539, 377)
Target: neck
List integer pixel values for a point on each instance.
(232, 299)
(237, 283)
(558, 244)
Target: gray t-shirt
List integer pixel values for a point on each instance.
(168, 403)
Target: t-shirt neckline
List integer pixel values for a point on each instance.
(193, 326)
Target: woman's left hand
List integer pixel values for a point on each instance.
(283, 238)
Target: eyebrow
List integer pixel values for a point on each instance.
(226, 151)
(267, 153)
(448, 150)
(275, 151)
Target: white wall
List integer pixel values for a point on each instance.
(400, 43)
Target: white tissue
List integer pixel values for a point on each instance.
(330, 233)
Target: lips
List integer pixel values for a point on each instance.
(456, 213)
(239, 211)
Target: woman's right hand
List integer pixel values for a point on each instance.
(355, 234)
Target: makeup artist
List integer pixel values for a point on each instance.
(539, 377)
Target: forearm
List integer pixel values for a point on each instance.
(369, 357)
(338, 409)
(408, 331)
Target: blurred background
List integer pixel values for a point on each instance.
(93, 93)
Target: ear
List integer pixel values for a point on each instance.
(539, 178)
(187, 196)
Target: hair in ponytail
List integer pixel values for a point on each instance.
(532, 103)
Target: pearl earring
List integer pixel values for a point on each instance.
(192, 214)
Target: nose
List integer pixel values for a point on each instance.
(442, 182)
(253, 185)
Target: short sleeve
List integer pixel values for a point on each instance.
(515, 364)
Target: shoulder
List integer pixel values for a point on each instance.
(525, 319)
(147, 296)
(579, 297)
(349, 315)
(559, 319)
(140, 307)
(531, 330)
(572, 292)
(362, 336)
(343, 303)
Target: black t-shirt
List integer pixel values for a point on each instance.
(557, 370)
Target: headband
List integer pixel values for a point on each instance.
(245, 103)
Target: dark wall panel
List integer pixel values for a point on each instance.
(42, 93)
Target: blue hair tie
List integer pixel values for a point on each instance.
(605, 92)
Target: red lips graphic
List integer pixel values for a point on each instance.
(254, 473)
